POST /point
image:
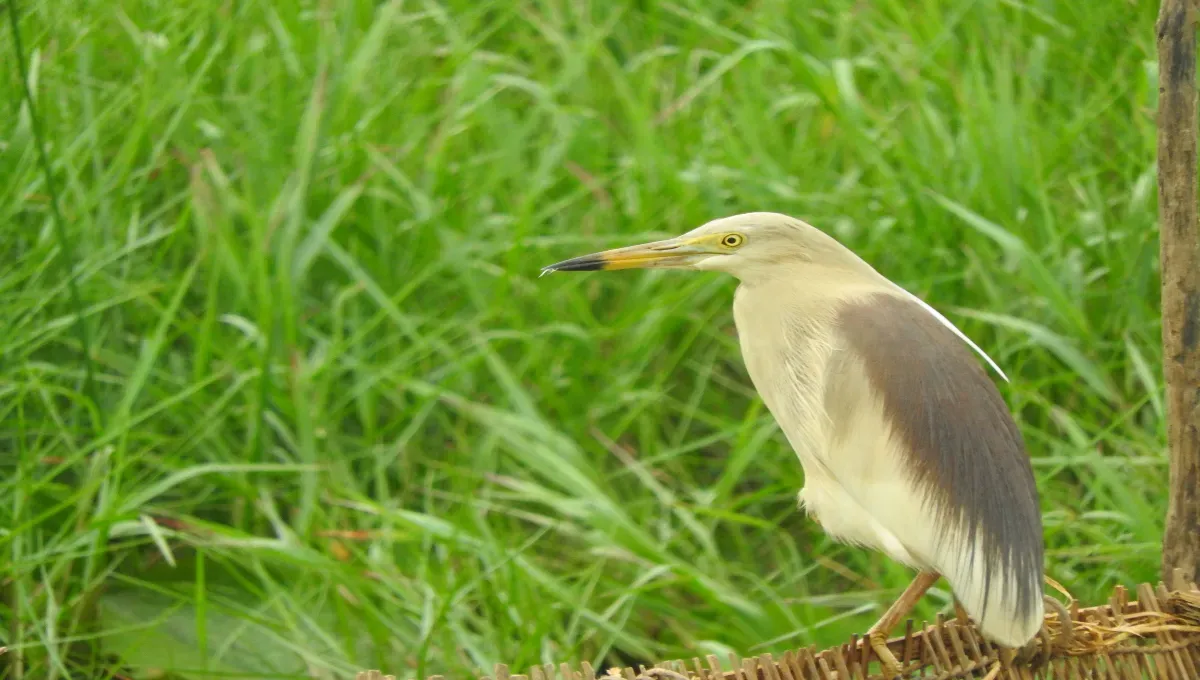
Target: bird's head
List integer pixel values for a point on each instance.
(747, 246)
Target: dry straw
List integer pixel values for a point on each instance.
(1156, 636)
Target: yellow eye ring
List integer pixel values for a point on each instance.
(732, 240)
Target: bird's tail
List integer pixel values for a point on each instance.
(1004, 597)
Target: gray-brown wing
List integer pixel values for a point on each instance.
(962, 454)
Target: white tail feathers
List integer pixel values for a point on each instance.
(1008, 608)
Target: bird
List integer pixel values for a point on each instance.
(906, 445)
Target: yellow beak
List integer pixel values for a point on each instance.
(671, 253)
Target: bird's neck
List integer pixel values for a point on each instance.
(850, 274)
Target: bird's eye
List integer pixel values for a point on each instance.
(732, 240)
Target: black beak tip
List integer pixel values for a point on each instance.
(578, 264)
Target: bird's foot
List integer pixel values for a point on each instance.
(877, 635)
(890, 664)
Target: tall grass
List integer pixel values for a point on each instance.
(338, 422)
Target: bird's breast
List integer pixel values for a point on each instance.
(785, 344)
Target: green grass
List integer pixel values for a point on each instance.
(337, 420)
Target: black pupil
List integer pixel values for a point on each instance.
(730, 240)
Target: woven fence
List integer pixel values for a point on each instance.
(1156, 636)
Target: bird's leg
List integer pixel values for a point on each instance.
(904, 604)
(878, 633)
(960, 613)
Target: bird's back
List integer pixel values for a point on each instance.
(906, 443)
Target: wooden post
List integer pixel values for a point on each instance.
(1179, 253)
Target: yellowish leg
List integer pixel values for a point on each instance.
(960, 613)
(878, 633)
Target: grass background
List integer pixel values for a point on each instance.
(335, 421)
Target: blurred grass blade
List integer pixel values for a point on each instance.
(28, 80)
(1091, 373)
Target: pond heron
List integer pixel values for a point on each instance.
(906, 444)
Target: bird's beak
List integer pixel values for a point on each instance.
(674, 253)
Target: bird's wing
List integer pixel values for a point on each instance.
(954, 329)
(922, 440)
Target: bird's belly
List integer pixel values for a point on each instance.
(789, 366)
(846, 521)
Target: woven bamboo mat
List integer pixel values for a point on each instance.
(1155, 636)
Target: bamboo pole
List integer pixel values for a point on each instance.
(1179, 253)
